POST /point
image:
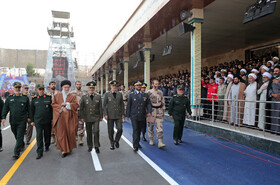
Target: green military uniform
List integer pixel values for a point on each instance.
(18, 106)
(114, 109)
(177, 108)
(41, 114)
(91, 112)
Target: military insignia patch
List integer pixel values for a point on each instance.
(145, 98)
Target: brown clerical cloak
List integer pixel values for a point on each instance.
(64, 128)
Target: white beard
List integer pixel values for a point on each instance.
(65, 94)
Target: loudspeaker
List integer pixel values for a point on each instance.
(184, 28)
(121, 66)
(140, 56)
(152, 57)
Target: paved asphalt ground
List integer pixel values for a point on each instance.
(200, 159)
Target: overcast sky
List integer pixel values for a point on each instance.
(24, 23)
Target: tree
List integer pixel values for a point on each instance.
(30, 70)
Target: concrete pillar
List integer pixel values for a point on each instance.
(106, 76)
(196, 21)
(97, 84)
(147, 68)
(101, 81)
(125, 78)
(125, 66)
(114, 67)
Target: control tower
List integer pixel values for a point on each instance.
(60, 64)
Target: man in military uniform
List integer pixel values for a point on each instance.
(138, 107)
(114, 113)
(52, 93)
(143, 130)
(125, 97)
(41, 117)
(80, 125)
(18, 106)
(91, 112)
(158, 107)
(29, 129)
(177, 110)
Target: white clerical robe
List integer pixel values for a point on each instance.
(250, 107)
(262, 93)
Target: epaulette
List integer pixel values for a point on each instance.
(48, 95)
(131, 92)
(185, 95)
(35, 96)
(174, 95)
(12, 94)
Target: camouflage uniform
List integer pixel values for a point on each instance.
(158, 107)
(80, 125)
(29, 128)
(50, 93)
(125, 97)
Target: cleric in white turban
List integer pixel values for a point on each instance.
(253, 75)
(251, 96)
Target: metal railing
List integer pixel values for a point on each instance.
(258, 115)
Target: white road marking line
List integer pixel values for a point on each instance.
(150, 162)
(95, 159)
(6, 127)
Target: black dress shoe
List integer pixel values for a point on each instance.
(89, 149)
(27, 142)
(144, 139)
(112, 147)
(16, 156)
(97, 150)
(47, 149)
(1, 149)
(63, 155)
(135, 149)
(175, 142)
(180, 141)
(39, 156)
(139, 146)
(117, 144)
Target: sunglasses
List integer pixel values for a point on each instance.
(40, 89)
(17, 87)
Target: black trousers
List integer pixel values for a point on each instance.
(43, 131)
(209, 109)
(137, 126)
(144, 128)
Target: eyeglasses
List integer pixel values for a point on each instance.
(17, 87)
(40, 89)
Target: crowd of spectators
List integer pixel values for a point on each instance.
(257, 79)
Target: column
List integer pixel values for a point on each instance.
(106, 76)
(97, 83)
(101, 81)
(196, 21)
(114, 67)
(147, 70)
(125, 77)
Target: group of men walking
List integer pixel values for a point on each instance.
(62, 115)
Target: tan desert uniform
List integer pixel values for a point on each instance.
(50, 93)
(125, 97)
(29, 128)
(80, 124)
(158, 107)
